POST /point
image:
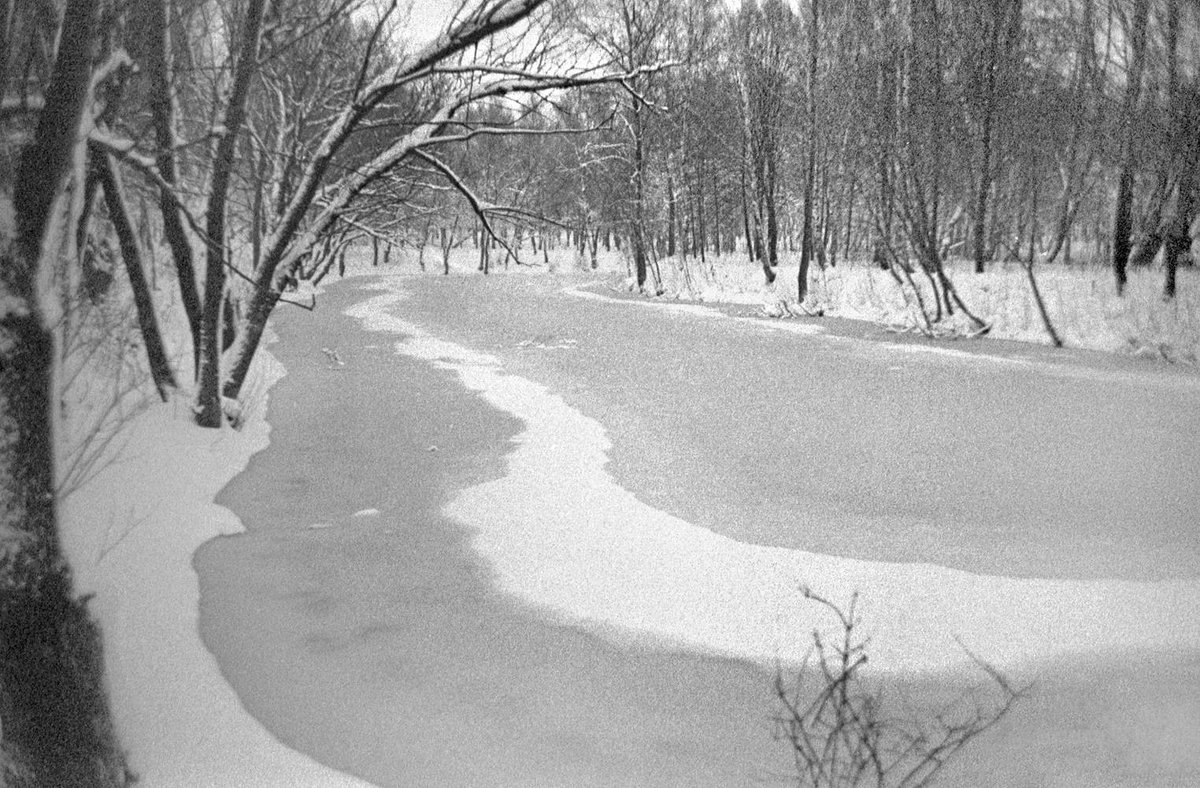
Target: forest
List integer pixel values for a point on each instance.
(205, 157)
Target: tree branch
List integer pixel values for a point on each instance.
(476, 204)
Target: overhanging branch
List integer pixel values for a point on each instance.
(476, 204)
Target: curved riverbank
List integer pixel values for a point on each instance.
(381, 644)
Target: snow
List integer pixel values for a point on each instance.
(561, 535)
(1080, 300)
(130, 532)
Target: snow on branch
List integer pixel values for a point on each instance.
(496, 131)
(126, 151)
(477, 205)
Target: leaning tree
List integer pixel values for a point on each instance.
(335, 156)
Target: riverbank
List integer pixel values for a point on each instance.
(130, 533)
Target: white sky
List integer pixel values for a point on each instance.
(427, 18)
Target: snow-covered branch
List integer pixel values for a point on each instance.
(477, 205)
(125, 150)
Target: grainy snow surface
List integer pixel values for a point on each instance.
(561, 534)
(130, 533)
(469, 560)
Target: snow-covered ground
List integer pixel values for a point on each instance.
(130, 531)
(1080, 301)
(560, 534)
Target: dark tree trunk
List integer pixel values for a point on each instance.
(638, 236)
(256, 322)
(51, 688)
(1156, 225)
(846, 250)
(228, 322)
(671, 215)
(1178, 232)
(1035, 197)
(772, 218)
(806, 233)
(716, 223)
(1003, 16)
(208, 398)
(746, 220)
(424, 243)
(162, 110)
(1123, 214)
(131, 253)
(1122, 228)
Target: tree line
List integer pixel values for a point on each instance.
(904, 132)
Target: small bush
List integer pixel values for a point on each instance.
(840, 733)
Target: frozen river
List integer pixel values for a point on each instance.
(388, 610)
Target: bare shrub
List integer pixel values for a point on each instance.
(842, 732)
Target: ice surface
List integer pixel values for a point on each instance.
(560, 534)
(130, 533)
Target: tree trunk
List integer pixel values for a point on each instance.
(52, 705)
(1178, 234)
(671, 214)
(716, 223)
(1002, 37)
(162, 110)
(131, 253)
(255, 322)
(638, 236)
(1055, 339)
(424, 243)
(208, 397)
(746, 219)
(1123, 215)
(806, 233)
(1155, 224)
(771, 211)
(1035, 198)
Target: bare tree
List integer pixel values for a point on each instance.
(630, 33)
(767, 35)
(1000, 24)
(162, 104)
(208, 399)
(131, 252)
